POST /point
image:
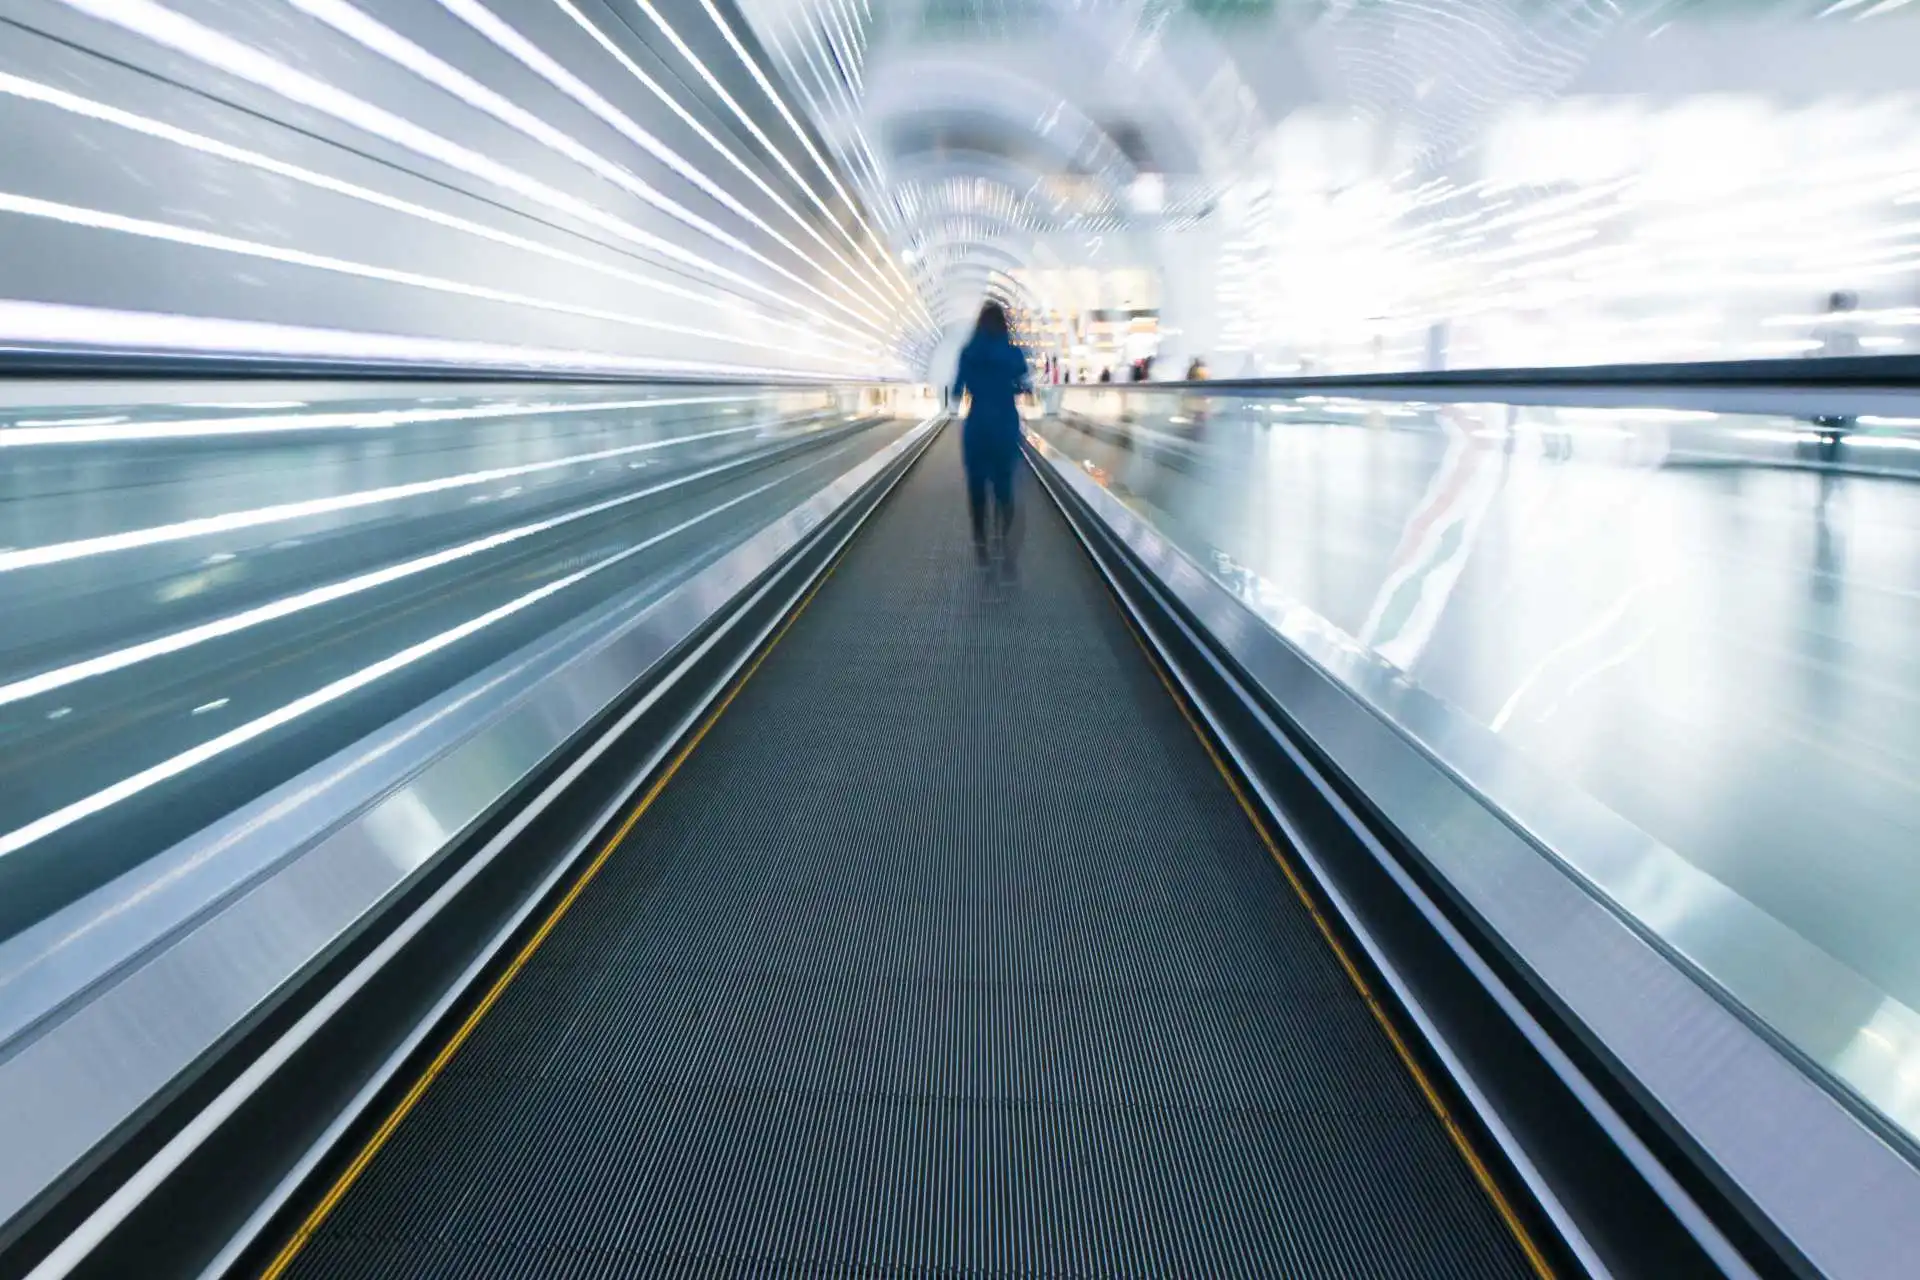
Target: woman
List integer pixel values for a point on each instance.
(993, 371)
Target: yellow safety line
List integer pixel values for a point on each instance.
(344, 1183)
(1481, 1173)
(351, 1174)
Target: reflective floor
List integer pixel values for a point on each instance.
(200, 604)
(1726, 655)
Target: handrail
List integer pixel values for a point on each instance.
(1847, 385)
(57, 363)
(1892, 372)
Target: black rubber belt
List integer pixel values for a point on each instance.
(948, 950)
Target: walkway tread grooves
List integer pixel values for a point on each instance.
(947, 953)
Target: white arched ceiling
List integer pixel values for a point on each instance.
(1378, 155)
(552, 184)
(1038, 119)
(736, 185)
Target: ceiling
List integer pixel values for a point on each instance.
(987, 134)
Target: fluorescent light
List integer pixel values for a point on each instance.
(42, 324)
(279, 513)
(84, 431)
(65, 816)
(753, 127)
(389, 44)
(238, 404)
(100, 220)
(518, 46)
(1769, 435)
(61, 100)
(1881, 442)
(222, 52)
(287, 606)
(619, 55)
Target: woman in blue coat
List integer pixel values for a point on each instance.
(994, 371)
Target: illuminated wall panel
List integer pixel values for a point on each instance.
(553, 182)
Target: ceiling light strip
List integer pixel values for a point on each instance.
(165, 27)
(633, 69)
(389, 44)
(512, 42)
(786, 113)
(61, 100)
(193, 237)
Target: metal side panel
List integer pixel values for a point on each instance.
(72, 1081)
(1870, 431)
(1806, 1164)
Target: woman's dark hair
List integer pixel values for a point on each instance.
(993, 319)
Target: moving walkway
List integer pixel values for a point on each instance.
(887, 913)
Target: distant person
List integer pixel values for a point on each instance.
(1194, 407)
(1106, 375)
(993, 371)
(1838, 334)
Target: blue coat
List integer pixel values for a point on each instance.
(995, 371)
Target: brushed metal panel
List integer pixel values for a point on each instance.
(1834, 1188)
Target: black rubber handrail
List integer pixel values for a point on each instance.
(81, 363)
(1892, 372)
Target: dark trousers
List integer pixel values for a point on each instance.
(990, 471)
(1826, 449)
